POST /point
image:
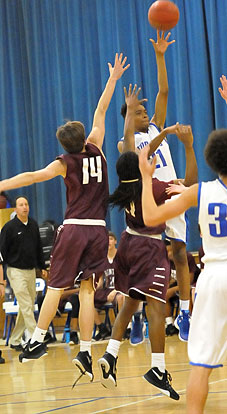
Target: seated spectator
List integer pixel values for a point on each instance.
(105, 291)
(173, 292)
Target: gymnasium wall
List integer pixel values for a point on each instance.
(54, 56)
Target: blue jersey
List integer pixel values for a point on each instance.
(212, 203)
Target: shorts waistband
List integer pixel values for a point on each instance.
(85, 222)
(151, 236)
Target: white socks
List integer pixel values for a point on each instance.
(169, 320)
(85, 346)
(184, 305)
(38, 335)
(158, 360)
(113, 347)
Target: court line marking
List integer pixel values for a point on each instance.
(147, 399)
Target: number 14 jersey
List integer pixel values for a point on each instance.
(86, 184)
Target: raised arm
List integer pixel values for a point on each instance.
(160, 48)
(132, 102)
(223, 90)
(153, 214)
(97, 133)
(184, 134)
(27, 178)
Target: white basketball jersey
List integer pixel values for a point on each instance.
(212, 203)
(165, 170)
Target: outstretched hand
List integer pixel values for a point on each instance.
(146, 168)
(119, 67)
(176, 188)
(162, 42)
(184, 133)
(223, 92)
(131, 96)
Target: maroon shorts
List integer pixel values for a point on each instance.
(101, 296)
(141, 267)
(79, 252)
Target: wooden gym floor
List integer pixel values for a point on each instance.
(45, 386)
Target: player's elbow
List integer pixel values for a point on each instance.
(149, 221)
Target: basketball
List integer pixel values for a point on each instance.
(163, 15)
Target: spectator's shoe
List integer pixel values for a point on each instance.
(17, 347)
(2, 361)
(182, 323)
(171, 330)
(83, 362)
(138, 330)
(103, 333)
(107, 367)
(162, 381)
(33, 351)
(74, 339)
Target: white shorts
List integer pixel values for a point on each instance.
(207, 342)
(177, 227)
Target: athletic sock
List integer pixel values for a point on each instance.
(113, 347)
(38, 335)
(85, 346)
(158, 360)
(184, 305)
(169, 320)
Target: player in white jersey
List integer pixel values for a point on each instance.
(207, 344)
(139, 132)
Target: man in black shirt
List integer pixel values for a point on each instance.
(21, 250)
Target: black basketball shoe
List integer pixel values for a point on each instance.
(83, 362)
(107, 367)
(162, 381)
(33, 351)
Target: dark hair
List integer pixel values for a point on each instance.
(124, 110)
(111, 234)
(215, 151)
(71, 136)
(127, 169)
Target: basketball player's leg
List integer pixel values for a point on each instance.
(182, 270)
(35, 348)
(83, 360)
(197, 389)
(158, 375)
(107, 364)
(124, 316)
(86, 313)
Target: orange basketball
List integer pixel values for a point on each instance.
(163, 15)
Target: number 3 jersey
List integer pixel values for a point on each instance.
(86, 184)
(165, 170)
(212, 203)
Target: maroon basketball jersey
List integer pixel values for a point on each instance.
(134, 217)
(86, 183)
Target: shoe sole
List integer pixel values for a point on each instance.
(164, 392)
(107, 380)
(32, 359)
(80, 367)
